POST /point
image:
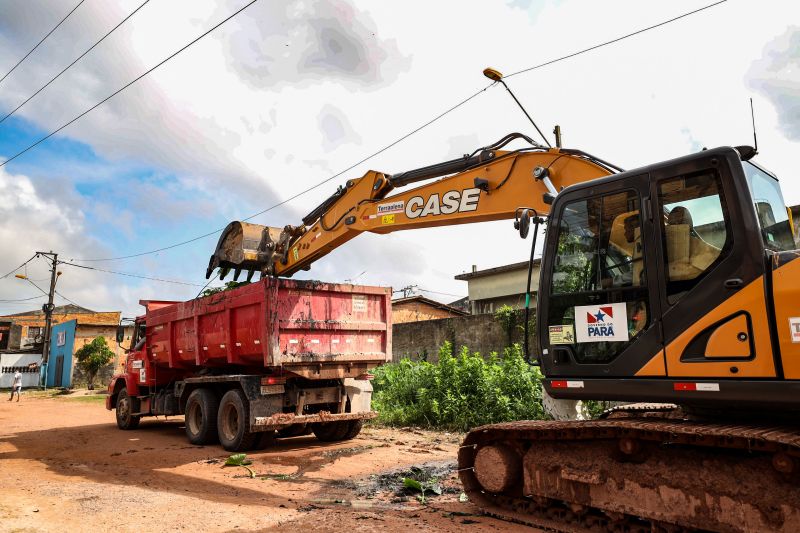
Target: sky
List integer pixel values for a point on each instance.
(287, 94)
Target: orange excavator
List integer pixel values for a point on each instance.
(674, 286)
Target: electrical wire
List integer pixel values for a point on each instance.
(301, 193)
(21, 299)
(40, 42)
(43, 87)
(612, 41)
(67, 299)
(215, 276)
(22, 265)
(182, 243)
(442, 293)
(145, 73)
(131, 275)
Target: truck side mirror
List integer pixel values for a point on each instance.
(120, 334)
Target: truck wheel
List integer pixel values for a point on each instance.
(354, 429)
(233, 423)
(295, 430)
(125, 417)
(331, 431)
(201, 416)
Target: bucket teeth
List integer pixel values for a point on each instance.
(244, 246)
(236, 274)
(250, 275)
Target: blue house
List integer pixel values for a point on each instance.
(59, 367)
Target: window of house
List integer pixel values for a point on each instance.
(695, 229)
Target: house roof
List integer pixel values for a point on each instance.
(496, 270)
(428, 301)
(64, 313)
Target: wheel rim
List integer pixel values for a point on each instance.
(123, 408)
(194, 419)
(230, 422)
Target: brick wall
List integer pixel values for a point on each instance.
(480, 333)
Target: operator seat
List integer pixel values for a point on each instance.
(688, 254)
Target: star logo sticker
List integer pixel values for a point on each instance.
(599, 316)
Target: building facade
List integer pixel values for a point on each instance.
(492, 288)
(26, 330)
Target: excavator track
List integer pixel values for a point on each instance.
(636, 471)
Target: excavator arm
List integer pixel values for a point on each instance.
(490, 184)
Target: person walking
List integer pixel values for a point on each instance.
(16, 386)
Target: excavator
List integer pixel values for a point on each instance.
(672, 289)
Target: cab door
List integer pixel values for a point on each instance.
(711, 268)
(598, 314)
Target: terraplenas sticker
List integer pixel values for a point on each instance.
(563, 334)
(392, 207)
(599, 323)
(794, 327)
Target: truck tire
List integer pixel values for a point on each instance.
(124, 411)
(332, 431)
(201, 416)
(295, 430)
(233, 423)
(354, 430)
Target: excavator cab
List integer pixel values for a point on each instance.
(655, 283)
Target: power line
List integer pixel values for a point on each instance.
(606, 43)
(43, 87)
(21, 299)
(148, 71)
(131, 275)
(67, 299)
(301, 193)
(40, 42)
(453, 108)
(442, 293)
(22, 265)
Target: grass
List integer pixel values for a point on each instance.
(93, 398)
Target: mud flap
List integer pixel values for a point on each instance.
(359, 392)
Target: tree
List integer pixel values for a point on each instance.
(92, 357)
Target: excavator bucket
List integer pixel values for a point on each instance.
(243, 246)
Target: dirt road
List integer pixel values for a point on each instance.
(64, 466)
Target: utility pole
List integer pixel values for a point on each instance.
(48, 310)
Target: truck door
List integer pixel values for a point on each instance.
(711, 265)
(600, 314)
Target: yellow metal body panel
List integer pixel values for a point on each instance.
(445, 202)
(749, 299)
(786, 294)
(730, 339)
(655, 367)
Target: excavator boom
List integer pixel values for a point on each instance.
(490, 184)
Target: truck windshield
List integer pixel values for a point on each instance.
(773, 217)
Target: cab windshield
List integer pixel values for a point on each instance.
(773, 217)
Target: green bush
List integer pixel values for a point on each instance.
(460, 391)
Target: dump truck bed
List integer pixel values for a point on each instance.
(303, 326)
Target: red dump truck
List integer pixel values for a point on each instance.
(278, 355)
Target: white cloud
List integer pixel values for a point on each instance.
(245, 120)
(776, 75)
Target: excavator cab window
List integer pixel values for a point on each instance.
(696, 229)
(773, 218)
(599, 263)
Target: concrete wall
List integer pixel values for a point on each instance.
(29, 365)
(480, 333)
